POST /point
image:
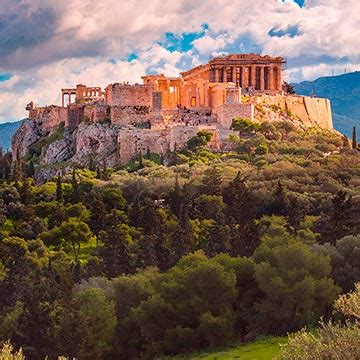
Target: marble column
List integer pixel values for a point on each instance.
(262, 78)
(233, 74)
(62, 99)
(216, 78)
(270, 78)
(242, 77)
(253, 76)
(224, 74)
(279, 80)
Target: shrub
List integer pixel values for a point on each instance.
(330, 341)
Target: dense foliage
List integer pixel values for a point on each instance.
(151, 259)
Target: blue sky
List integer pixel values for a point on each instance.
(49, 44)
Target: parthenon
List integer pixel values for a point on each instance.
(262, 73)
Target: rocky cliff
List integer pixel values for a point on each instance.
(62, 147)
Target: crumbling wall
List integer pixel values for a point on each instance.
(227, 112)
(180, 135)
(188, 118)
(49, 117)
(129, 115)
(133, 141)
(96, 113)
(129, 95)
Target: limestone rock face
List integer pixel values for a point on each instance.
(97, 140)
(25, 136)
(58, 151)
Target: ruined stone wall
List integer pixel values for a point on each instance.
(49, 117)
(190, 118)
(180, 135)
(129, 95)
(96, 113)
(310, 111)
(227, 112)
(129, 115)
(133, 141)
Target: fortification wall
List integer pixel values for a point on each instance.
(180, 135)
(49, 117)
(128, 95)
(133, 141)
(227, 112)
(310, 111)
(129, 115)
(96, 113)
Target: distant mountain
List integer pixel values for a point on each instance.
(7, 130)
(344, 93)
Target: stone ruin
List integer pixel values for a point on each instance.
(163, 113)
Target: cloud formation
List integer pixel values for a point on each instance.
(48, 44)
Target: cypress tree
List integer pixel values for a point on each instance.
(218, 240)
(92, 164)
(98, 172)
(241, 212)
(141, 161)
(212, 181)
(175, 198)
(114, 253)
(31, 169)
(354, 138)
(183, 237)
(105, 173)
(76, 196)
(59, 190)
(26, 195)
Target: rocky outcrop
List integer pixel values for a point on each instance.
(97, 140)
(26, 135)
(304, 110)
(65, 147)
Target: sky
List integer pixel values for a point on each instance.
(46, 45)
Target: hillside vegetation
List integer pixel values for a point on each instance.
(182, 253)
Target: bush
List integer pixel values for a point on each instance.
(330, 341)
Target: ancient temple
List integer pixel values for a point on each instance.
(205, 86)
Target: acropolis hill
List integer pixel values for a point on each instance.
(163, 113)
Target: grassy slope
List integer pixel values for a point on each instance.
(264, 349)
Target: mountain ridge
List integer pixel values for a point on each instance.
(7, 131)
(344, 94)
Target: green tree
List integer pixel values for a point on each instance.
(59, 189)
(97, 207)
(212, 181)
(26, 194)
(243, 126)
(114, 252)
(241, 211)
(294, 279)
(344, 257)
(202, 138)
(98, 320)
(76, 193)
(71, 233)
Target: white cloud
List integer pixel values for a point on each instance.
(47, 44)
